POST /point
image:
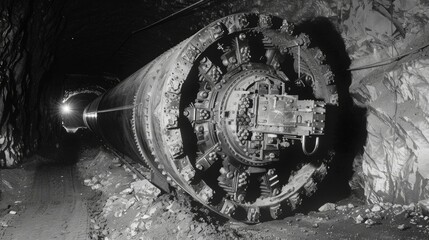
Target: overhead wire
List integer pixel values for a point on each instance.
(389, 60)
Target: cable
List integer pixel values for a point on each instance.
(190, 7)
(389, 60)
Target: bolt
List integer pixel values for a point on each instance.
(199, 167)
(230, 175)
(240, 198)
(186, 113)
(204, 94)
(225, 62)
(271, 155)
(242, 36)
(200, 129)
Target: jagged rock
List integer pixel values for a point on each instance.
(173, 207)
(327, 207)
(145, 187)
(148, 225)
(369, 222)
(402, 227)
(134, 226)
(154, 208)
(386, 205)
(341, 208)
(411, 207)
(117, 164)
(87, 182)
(359, 219)
(3, 223)
(142, 226)
(130, 203)
(127, 191)
(96, 186)
(376, 208)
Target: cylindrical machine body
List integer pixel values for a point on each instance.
(117, 116)
(227, 107)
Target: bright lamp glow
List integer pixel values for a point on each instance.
(65, 109)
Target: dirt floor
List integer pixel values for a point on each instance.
(54, 207)
(100, 198)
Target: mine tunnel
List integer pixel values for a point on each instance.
(230, 119)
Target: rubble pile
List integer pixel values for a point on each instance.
(402, 217)
(125, 207)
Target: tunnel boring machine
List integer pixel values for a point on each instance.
(234, 115)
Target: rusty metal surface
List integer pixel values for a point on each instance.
(226, 116)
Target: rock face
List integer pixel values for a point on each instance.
(394, 164)
(327, 207)
(395, 161)
(29, 32)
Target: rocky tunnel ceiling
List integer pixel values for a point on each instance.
(49, 46)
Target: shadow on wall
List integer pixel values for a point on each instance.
(347, 123)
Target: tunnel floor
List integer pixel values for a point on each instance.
(100, 198)
(55, 207)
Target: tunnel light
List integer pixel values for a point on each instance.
(65, 109)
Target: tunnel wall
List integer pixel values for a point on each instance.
(394, 166)
(30, 30)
